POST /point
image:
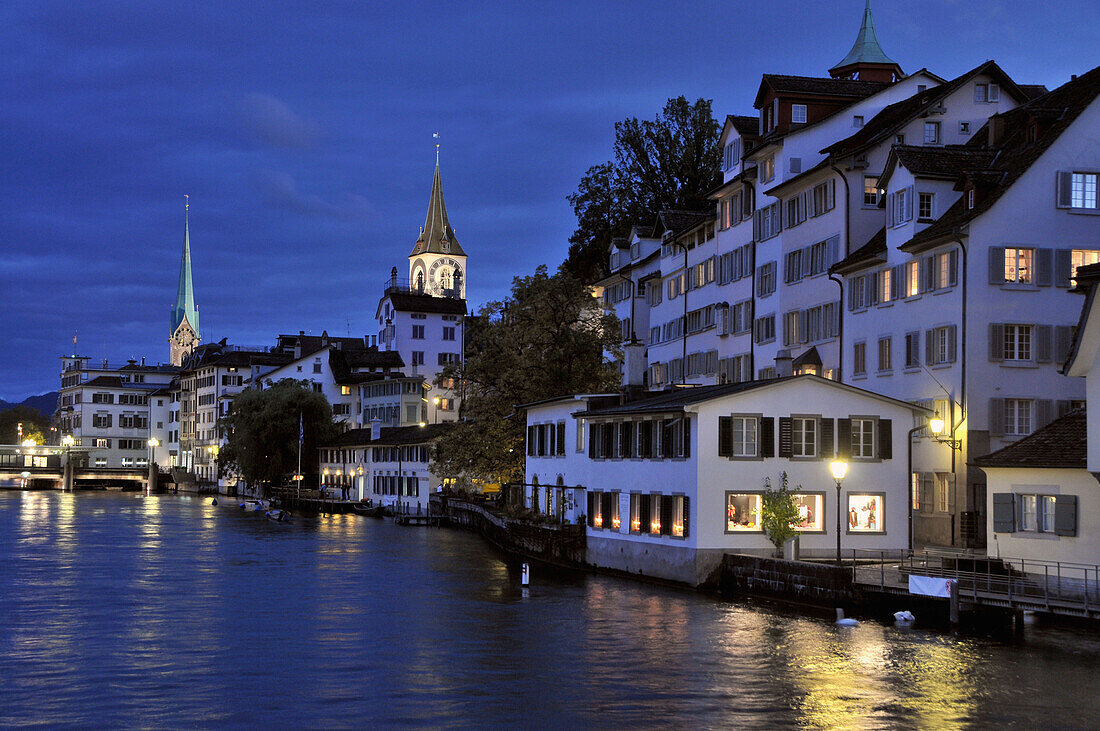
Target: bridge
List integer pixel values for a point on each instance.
(65, 468)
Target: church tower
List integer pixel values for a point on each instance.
(185, 316)
(437, 264)
(867, 61)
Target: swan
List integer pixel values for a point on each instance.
(904, 617)
(843, 621)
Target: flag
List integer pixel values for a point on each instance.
(301, 430)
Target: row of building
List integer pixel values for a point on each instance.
(914, 236)
(383, 386)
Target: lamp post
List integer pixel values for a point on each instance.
(153, 444)
(67, 442)
(839, 468)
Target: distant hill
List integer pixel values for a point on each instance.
(46, 403)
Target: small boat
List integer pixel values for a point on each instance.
(372, 511)
(254, 505)
(278, 515)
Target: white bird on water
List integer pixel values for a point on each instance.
(842, 620)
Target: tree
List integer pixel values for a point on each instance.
(778, 512)
(262, 431)
(669, 163)
(549, 339)
(36, 425)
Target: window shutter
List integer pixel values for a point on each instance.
(996, 265)
(605, 508)
(1064, 407)
(591, 510)
(1045, 267)
(530, 441)
(756, 226)
(909, 203)
(996, 417)
(832, 250)
(666, 515)
(953, 265)
(767, 436)
(825, 439)
(1065, 515)
(796, 164)
(1065, 187)
(937, 265)
(843, 438)
(927, 275)
(687, 513)
(994, 92)
(996, 341)
(644, 503)
(885, 439)
(592, 440)
(1042, 343)
(561, 438)
(929, 347)
(1044, 413)
(951, 343)
(895, 283)
(1063, 264)
(687, 436)
(785, 436)
(1063, 337)
(890, 212)
(1004, 512)
(807, 262)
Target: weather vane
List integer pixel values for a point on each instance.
(186, 202)
(435, 135)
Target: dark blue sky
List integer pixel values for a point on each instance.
(303, 134)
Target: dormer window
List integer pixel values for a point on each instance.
(857, 120)
(970, 198)
(798, 113)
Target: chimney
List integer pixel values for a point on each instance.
(634, 363)
(783, 363)
(996, 129)
(375, 429)
(143, 360)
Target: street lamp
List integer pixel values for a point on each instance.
(936, 425)
(67, 442)
(839, 468)
(153, 443)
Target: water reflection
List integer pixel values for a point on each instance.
(168, 611)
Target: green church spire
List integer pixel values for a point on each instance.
(185, 292)
(866, 49)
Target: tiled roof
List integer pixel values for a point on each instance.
(390, 436)
(873, 252)
(677, 221)
(745, 125)
(343, 363)
(892, 117)
(1061, 443)
(853, 88)
(409, 302)
(1033, 91)
(1015, 154)
(949, 161)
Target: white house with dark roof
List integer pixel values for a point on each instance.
(675, 480)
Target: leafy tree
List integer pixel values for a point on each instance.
(262, 431)
(668, 163)
(549, 339)
(36, 425)
(778, 512)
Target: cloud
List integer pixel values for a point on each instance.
(276, 124)
(281, 191)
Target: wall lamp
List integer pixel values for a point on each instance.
(935, 425)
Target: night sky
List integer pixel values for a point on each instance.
(303, 134)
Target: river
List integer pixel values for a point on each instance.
(164, 611)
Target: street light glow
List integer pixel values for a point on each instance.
(839, 468)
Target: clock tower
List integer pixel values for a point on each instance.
(437, 264)
(185, 335)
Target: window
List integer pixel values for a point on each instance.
(914, 490)
(764, 329)
(870, 190)
(859, 359)
(987, 93)
(863, 439)
(791, 321)
(857, 120)
(926, 205)
(912, 278)
(636, 512)
(418, 332)
(884, 345)
(679, 518)
(865, 513)
(912, 350)
(1017, 343)
(448, 333)
(1017, 417)
(1018, 265)
(744, 436)
(765, 279)
(943, 493)
(418, 357)
(731, 154)
(654, 514)
(316, 365)
(767, 169)
(1029, 512)
(1046, 513)
(964, 128)
(742, 512)
(798, 113)
(1083, 190)
(931, 133)
(1080, 258)
(803, 437)
(811, 512)
(943, 270)
(970, 199)
(824, 197)
(899, 139)
(447, 358)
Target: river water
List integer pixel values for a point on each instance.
(165, 611)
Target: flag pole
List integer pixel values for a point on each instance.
(298, 474)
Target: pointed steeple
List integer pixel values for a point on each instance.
(185, 291)
(437, 236)
(867, 61)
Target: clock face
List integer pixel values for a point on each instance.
(441, 275)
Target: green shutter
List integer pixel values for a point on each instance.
(767, 436)
(996, 341)
(996, 417)
(785, 436)
(687, 515)
(996, 265)
(885, 439)
(1045, 267)
(844, 438)
(1065, 515)
(825, 439)
(725, 436)
(1004, 512)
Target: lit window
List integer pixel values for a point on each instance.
(943, 493)
(870, 190)
(1017, 343)
(884, 345)
(678, 521)
(811, 512)
(1018, 264)
(636, 512)
(345, 390)
(865, 513)
(742, 512)
(654, 514)
(1083, 190)
(914, 490)
(1080, 258)
(912, 278)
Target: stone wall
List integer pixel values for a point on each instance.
(797, 581)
